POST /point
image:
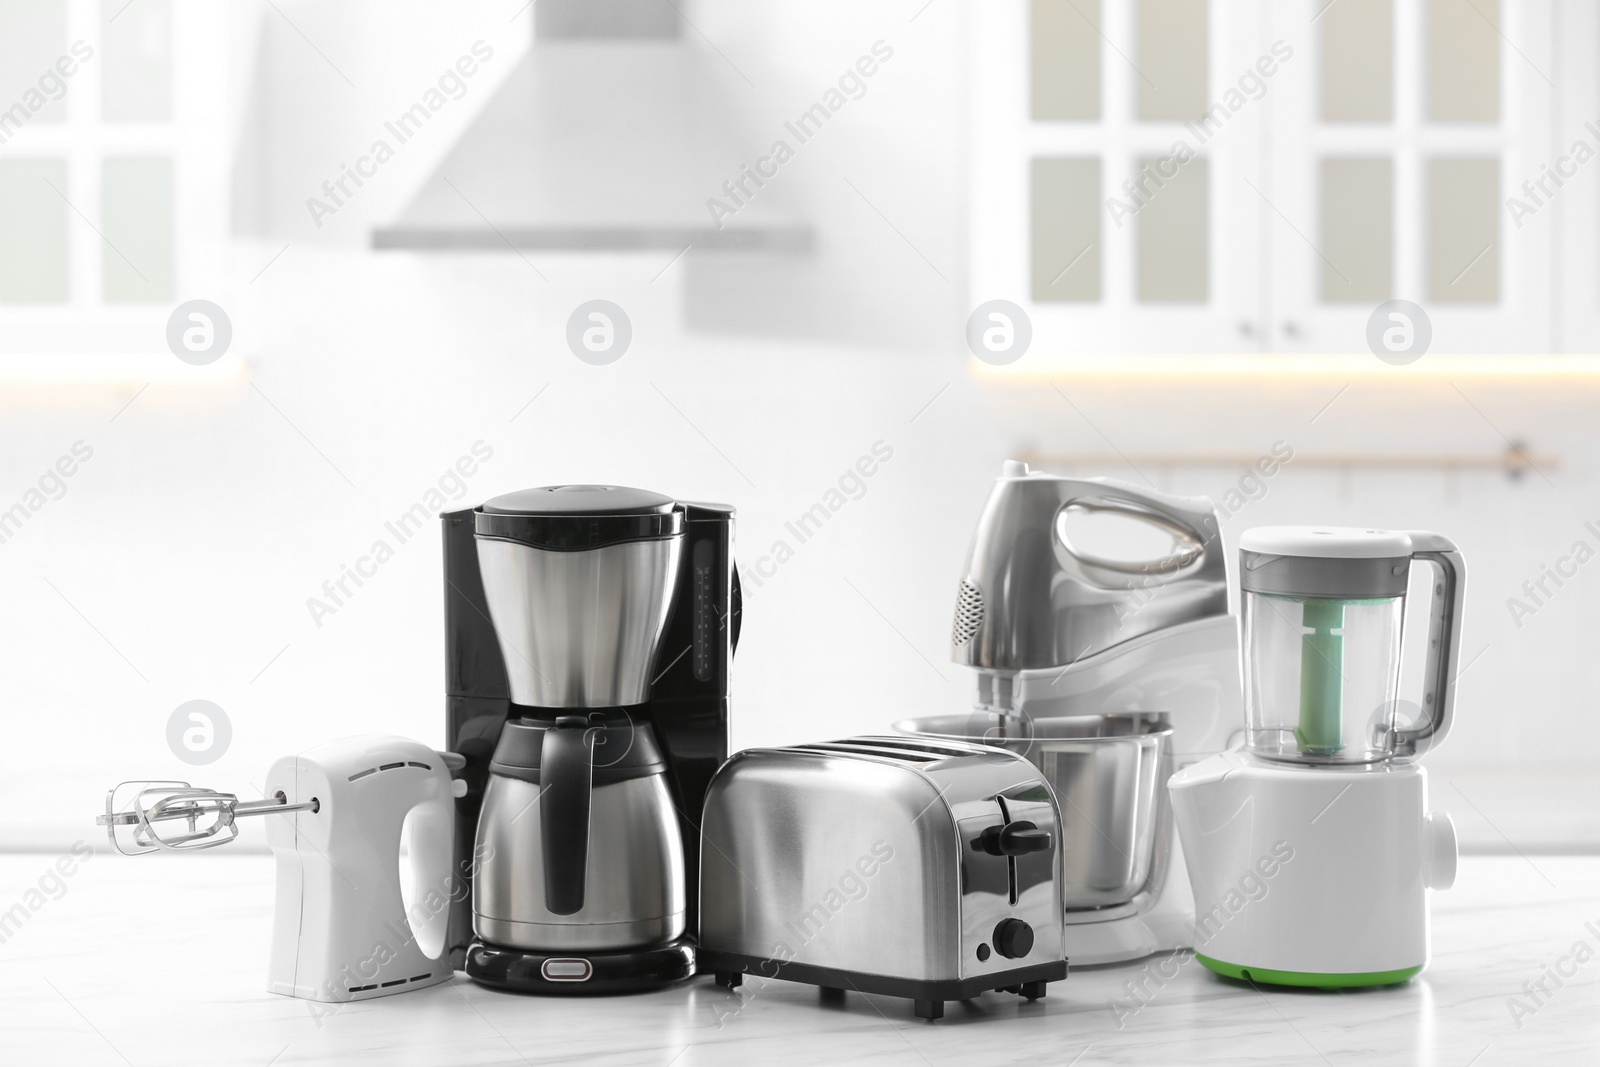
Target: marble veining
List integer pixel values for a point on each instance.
(162, 961)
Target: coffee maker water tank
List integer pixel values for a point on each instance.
(579, 581)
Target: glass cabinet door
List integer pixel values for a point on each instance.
(1261, 175)
(1107, 197)
(1395, 147)
(1563, 198)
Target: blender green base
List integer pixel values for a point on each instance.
(1309, 979)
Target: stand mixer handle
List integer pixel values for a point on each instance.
(1444, 642)
(1185, 521)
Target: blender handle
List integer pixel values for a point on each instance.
(566, 787)
(1444, 642)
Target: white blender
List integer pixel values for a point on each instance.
(1311, 849)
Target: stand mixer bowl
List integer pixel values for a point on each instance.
(1108, 773)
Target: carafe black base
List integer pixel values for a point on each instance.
(570, 974)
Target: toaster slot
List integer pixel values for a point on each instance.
(935, 748)
(856, 749)
(1011, 860)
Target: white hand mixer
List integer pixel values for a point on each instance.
(341, 927)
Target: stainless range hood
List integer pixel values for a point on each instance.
(611, 134)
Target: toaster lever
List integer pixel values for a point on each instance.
(1016, 838)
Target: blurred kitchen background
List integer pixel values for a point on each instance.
(398, 205)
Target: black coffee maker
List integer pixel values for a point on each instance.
(589, 633)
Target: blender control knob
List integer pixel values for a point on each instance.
(1439, 850)
(1013, 938)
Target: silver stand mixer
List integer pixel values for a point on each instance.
(1109, 675)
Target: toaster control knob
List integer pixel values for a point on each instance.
(1013, 839)
(1013, 938)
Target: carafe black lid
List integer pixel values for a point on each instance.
(621, 747)
(567, 518)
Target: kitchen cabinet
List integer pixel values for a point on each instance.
(1261, 175)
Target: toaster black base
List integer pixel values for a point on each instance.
(928, 996)
(630, 971)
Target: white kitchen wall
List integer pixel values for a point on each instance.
(180, 560)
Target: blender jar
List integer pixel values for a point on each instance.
(1323, 611)
(1321, 677)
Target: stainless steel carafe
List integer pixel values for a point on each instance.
(578, 841)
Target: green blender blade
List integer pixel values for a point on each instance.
(1321, 729)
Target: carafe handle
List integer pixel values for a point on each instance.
(566, 786)
(1444, 642)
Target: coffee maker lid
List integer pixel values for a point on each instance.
(579, 500)
(576, 517)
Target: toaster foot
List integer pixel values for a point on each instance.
(730, 980)
(928, 996)
(831, 994)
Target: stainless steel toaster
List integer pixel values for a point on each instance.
(904, 866)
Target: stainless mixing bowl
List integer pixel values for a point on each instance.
(1109, 774)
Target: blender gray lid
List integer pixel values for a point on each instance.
(1326, 542)
(566, 518)
(1324, 561)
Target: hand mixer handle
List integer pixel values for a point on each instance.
(1444, 642)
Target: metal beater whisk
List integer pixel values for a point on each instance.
(143, 817)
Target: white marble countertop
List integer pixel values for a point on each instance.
(162, 960)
